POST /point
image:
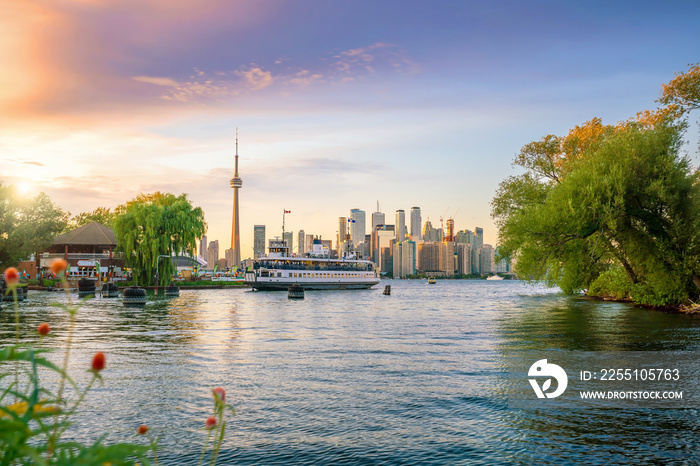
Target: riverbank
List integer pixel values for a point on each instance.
(208, 285)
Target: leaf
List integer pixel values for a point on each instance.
(545, 386)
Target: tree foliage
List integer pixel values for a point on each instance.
(102, 215)
(157, 224)
(607, 200)
(26, 225)
(683, 90)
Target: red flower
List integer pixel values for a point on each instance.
(211, 422)
(219, 394)
(43, 329)
(98, 361)
(58, 266)
(143, 429)
(11, 276)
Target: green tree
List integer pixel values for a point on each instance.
(26, 225)
(101, 215)
(157, 224)
(602, 198)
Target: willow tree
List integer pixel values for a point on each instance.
(153, 225)
(607, 206)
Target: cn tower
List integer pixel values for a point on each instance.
(236, 183)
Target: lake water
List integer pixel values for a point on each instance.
(357, 377)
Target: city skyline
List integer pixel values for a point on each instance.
(339, 104)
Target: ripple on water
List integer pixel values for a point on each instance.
(359, 377)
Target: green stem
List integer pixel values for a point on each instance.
(62, 383)
(204, 449)
(14, 298)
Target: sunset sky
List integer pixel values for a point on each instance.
(339, 104)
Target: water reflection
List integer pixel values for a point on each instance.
(359, 377)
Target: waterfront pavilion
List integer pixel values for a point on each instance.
(88, 249)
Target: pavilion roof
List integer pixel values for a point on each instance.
(91, 234)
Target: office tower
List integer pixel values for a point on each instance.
(377, 218)
(429, 257)
(447, 258)
(309, 243)
(203, 247)
(503, 265)
(357, 229)
(416, 223)
(404, 259)
(301, 240)
(476, 249)
(486, 259)
(229, 259)
(288, 238)
(236, 184)
(464, 236)
(430, 234)
(386, 262)
(343, 234)
(258, 241)
(212, 254)
(400, 226)
(382, 237)
(464, 258)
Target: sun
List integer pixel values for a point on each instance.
(24, 188)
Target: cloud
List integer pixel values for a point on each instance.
(373, 57)
(257, 78)
(155, 80)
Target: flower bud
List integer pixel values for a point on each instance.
(58, 266)
(43, 329)
(11, 277)
(143, 429)
(211, 422)
(98, 361)
(219, 394)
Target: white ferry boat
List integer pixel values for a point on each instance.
(314, 271)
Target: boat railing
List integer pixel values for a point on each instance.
(347, 268)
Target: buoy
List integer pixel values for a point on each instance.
(387, 290)
(86, 287)
(295, 291)
(110, 290)
(172, 290)
(134, 296)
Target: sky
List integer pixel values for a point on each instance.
(338, 104)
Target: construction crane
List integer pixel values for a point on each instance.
(442, 226)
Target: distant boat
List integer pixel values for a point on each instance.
(431, 281)
(494, 277)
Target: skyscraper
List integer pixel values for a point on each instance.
(357, 229)
(288, 238)
(404, 259)
(382, 237)
(258, 241)
(400, 225)
(236, 184)
(343, 234)
(416, 224)
(301, 241)
(212, 254)
(203, 247)
(476, 250)
(377, 218)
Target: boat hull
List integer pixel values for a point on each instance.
(284, 285)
